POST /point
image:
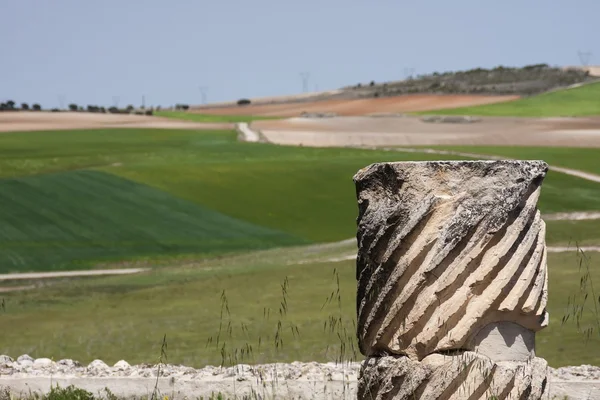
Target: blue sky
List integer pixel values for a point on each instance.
(96, 52)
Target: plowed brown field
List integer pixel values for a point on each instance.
(354, 107)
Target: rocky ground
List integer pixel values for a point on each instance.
(28, 367)
(25, 366)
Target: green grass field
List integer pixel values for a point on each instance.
(191, 205)
(572, 233)
(580, 101)
(65, 220)
(115, 318)
(79, 193)
(175, 181)
(196, 117)
(576, 158)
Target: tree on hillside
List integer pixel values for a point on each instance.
(36, 107)
(73, 107)
(130, 108)
(24, 106)
(10, 105)
(3, 107)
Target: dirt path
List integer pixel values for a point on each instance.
(69, 274)
(573, 216)
(551, 249)
(568, 171)
(561, 249)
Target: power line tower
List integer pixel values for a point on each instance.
(203, 90)
(116, 101)
(61, 101)
(584, 57)
(305, 76)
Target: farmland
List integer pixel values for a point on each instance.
(136, 193)
(578, 158)
(208, 118)
(219, 222)
(127, 193)
(117, 318)
(578, 101)
(64, 220)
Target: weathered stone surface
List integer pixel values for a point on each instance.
(452, 280)
(121, 365)
(463, 376)
(42, 363)
(448, 250)
(5, 360)
(25, 358)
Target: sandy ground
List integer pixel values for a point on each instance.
(355, 107)
(44, 121)
(412, 131)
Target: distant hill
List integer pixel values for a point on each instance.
(522, 81)
(499, 81)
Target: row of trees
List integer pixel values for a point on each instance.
(130, 109)
(11, 106)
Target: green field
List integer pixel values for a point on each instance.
(572, 233)
(198, 207)
(117, 318)
(65, 220)
(210, 118)
(181, 184)
(580, 101)
(569, 157)
(70, 196)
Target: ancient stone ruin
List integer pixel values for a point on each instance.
(452, 280)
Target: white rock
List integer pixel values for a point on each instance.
(42, 363)
(25, 357)
(6, 360)
(97, 365)
(122, 365)
(26, 363)
(69, 363)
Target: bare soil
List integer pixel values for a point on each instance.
(44, 121)
(412, 131)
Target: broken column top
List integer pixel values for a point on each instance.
(447, 248)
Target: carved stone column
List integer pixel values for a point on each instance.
(452, 280)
